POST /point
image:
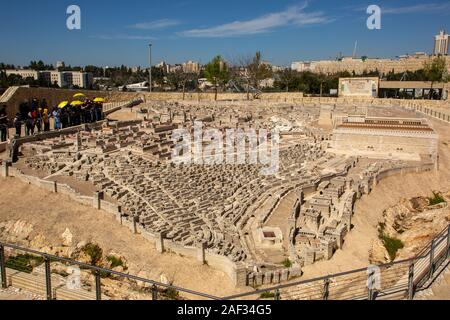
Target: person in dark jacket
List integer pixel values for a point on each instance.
(18, 124)
(3, 124)
(29, 125)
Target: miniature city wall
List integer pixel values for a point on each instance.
(14, 96)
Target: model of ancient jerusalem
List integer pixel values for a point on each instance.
(234, 179)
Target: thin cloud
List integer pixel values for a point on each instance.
(122, 37)
(157, 24)
(292, 16)
(419, 8)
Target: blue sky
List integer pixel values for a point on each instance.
(118, 32)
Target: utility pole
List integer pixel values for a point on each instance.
(150, 71)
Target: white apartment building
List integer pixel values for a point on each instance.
(191, 67)
(24, 73)
(441, 43)
(65, 78)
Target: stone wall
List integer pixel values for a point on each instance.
(17, 95)
(53, 96)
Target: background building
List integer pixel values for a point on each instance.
(24, 73)
(358, 87)
(62, 79)
(191, 67)
(441, 44)
(357, 66)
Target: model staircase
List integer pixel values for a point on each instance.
(8, 94)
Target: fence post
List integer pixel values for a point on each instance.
(135, 222)
(154, 292)
(371, 282)
(430, 274)
(277, 295)
(98, 286)
(411, 282)
(326, 289)
(48, 279)
(448, 242)
(3, 266)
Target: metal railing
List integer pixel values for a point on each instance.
(395, 280)
(58, 278)
(52, 277)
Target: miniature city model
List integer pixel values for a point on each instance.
(231, 215)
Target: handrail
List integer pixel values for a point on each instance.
(100, 269)
(385, 265)
(437, 240)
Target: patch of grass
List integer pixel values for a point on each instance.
(287, 263)
(24, 262)
(436, 199)
(116, 262)
(172, 294)
(392, 245)
(94, 252)
(267, 295)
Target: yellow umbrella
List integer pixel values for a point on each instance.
(99, 100)
(63, 104)
(76, 103)
(78, 95)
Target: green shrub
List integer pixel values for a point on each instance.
(172, 294)
(24, 262)
(94, 252)
(267, 295)
(115, 262)
(436, 199)
(392, 245)
(287, 263)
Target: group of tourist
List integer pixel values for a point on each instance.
(35, 116)
(74, 115)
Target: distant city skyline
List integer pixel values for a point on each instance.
(284, 31)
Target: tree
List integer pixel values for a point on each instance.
(217, 73)
(287, 78)
(175, 79)
(257, 71)
(435, 71)
(180, 79)
(39, 66)
(158, 76)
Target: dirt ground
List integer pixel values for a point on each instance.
(50, 214)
